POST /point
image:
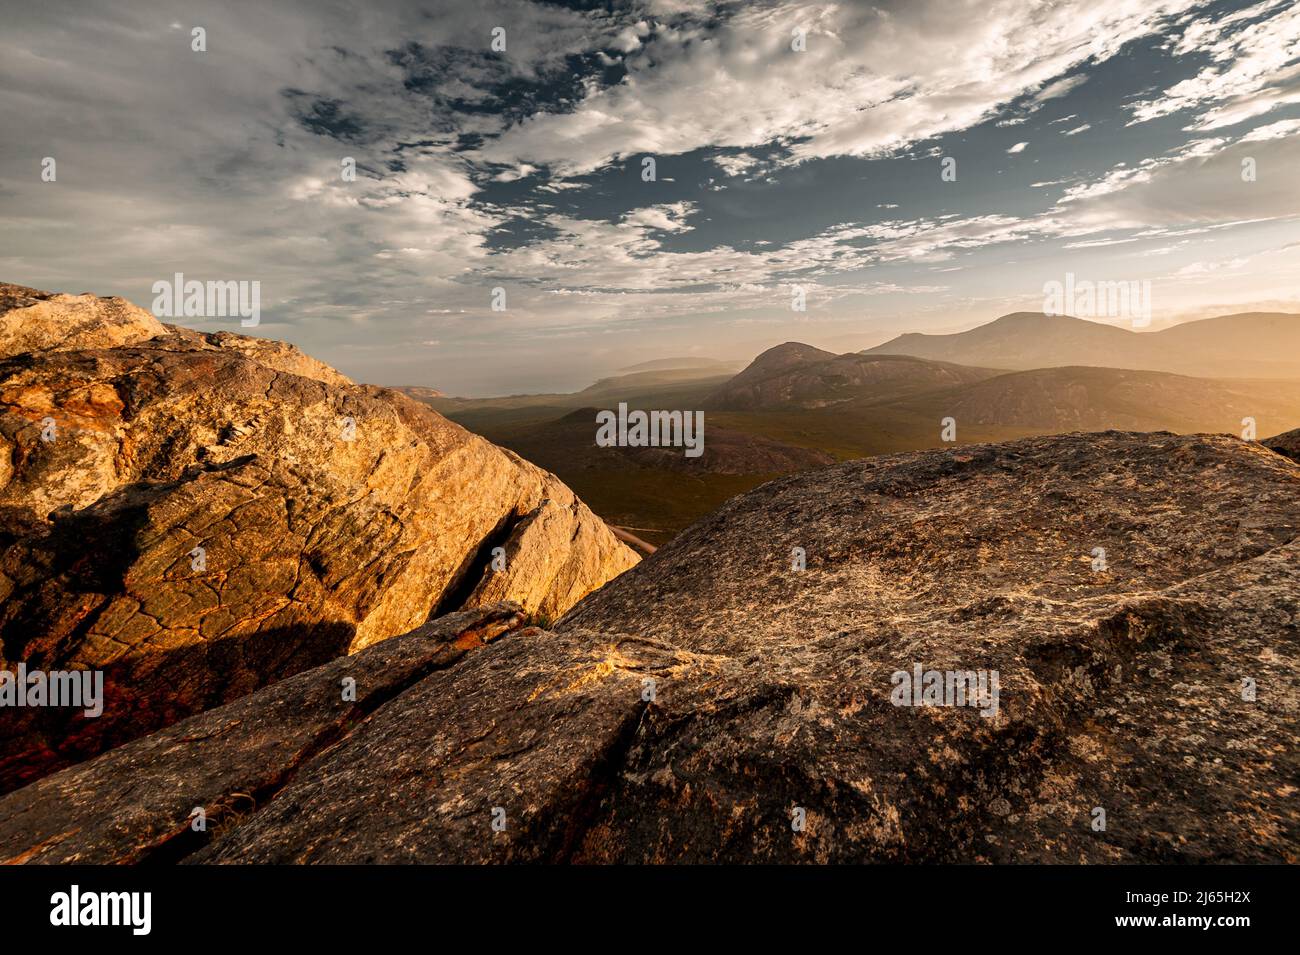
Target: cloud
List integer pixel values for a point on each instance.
(1060, 88)
(1255, 67)
(1098, 243)
(871, 81)
(736, 164)
(664, 218)
(1202, 182)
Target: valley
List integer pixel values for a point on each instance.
(796, 407)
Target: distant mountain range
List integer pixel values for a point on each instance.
(794, 377)
(629, 386)
(1246, 345)
(681, 364)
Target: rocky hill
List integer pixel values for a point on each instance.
(1136, 595)
(1052, 400)
(798, 376)
(199, 515)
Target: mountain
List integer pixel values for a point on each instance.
(717, 704)
(641, 382)
(636, 380)
(706, 366)
(665, 385)
(794, 375)
(197, 515)
(1051, 400)
(1248, 345)
(419, 393)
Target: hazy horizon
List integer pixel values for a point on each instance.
(742, 354)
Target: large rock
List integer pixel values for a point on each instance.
(32, 321)
(715, 704)
(1121, 687)
(199, 515)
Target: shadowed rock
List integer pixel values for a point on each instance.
(228, 761)
(715, 704)
(1287, 444)
(200, 515)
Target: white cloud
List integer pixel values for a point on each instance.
(736, 164)
(1200, 268)
(1060, 88)
(1255, 67)
(871, 81)
(1198, 184)
(665, 218)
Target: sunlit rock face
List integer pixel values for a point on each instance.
(198, 515)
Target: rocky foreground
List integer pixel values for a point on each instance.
(200, 515)
(729, 699)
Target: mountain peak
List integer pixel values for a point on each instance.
(795, 375)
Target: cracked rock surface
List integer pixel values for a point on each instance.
(199, 515)
(697, 707)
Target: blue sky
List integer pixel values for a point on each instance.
(1104, 138)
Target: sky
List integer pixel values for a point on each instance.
(503, 146)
